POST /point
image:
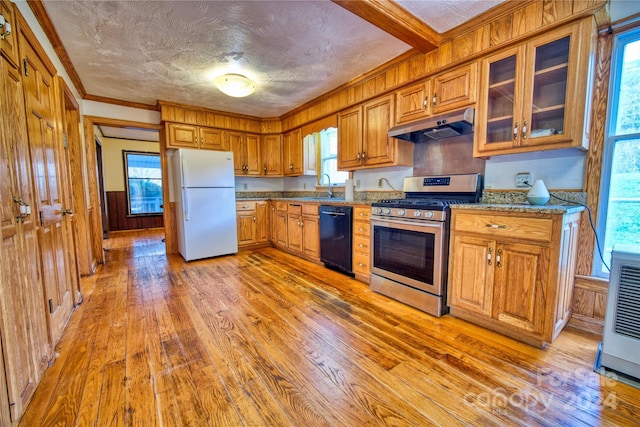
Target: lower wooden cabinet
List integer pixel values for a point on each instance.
(281, 225)
(252, 219)
(361, 242)
(514, 272)
(295, 228)
(311, 230)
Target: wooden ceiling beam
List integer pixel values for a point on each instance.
(391, 18)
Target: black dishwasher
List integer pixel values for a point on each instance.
(335, 237)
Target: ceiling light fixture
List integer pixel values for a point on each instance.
(235, 85)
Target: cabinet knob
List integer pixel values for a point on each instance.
(364, 155)
(489, 256)
(498, 264)
(425, 104)
(515, 132)
(362, 265)
(524, 130)
(435, 99)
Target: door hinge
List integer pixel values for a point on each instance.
(50, 306)
(25, 66)
(41, 220)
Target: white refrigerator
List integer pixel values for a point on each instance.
(205, 198)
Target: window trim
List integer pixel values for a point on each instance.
(125, 162)
(320, 173)
(610, 141)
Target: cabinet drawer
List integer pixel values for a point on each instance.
(361, 245)
(361, 213)
(294, 208)
(310, 209)
(245, 206)
(361, 228)
(539, 229)
(361, 264)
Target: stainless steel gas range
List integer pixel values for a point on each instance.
(410, 239)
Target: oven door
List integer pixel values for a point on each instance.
(409, 252)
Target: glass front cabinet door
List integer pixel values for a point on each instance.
(534, 96)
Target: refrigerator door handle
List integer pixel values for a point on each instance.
(186, 204)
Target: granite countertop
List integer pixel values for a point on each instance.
(521, 207)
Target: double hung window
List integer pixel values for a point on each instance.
(143, 178)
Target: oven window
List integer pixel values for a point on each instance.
(404, 252)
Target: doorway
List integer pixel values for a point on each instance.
(103, 195)
(99, 171)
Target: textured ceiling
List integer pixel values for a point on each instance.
(143, 51)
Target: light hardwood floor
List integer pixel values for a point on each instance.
(267, 339)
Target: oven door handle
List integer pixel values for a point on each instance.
(425, 224)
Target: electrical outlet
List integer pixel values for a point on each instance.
(380, 183)
(357, 183)
(244, 186)
(304, 185)
(522, 179)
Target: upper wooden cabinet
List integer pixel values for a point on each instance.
(271, 155)
(311, 148)
(444, 92)
(293, 160)
(246, 153)
(188, 136)
(413, 102)
(363, 140)
(213, 139)
(454, 89)
(350, 138)
(533, 95)
(8, 42)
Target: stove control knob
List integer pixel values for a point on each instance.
(378, 210)
(401, 212)
(386, 211)
(428, 214)
(417, 213)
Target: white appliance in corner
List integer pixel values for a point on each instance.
(621, 340)
(205, 203)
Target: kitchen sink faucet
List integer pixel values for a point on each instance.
(329, 192)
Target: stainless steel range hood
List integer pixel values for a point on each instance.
(436, 127)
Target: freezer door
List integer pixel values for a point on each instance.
(205, 168)
(209, 222)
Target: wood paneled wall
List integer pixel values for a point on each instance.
(172, 112)
(589, 304)
(593, 172)
(118, 218)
